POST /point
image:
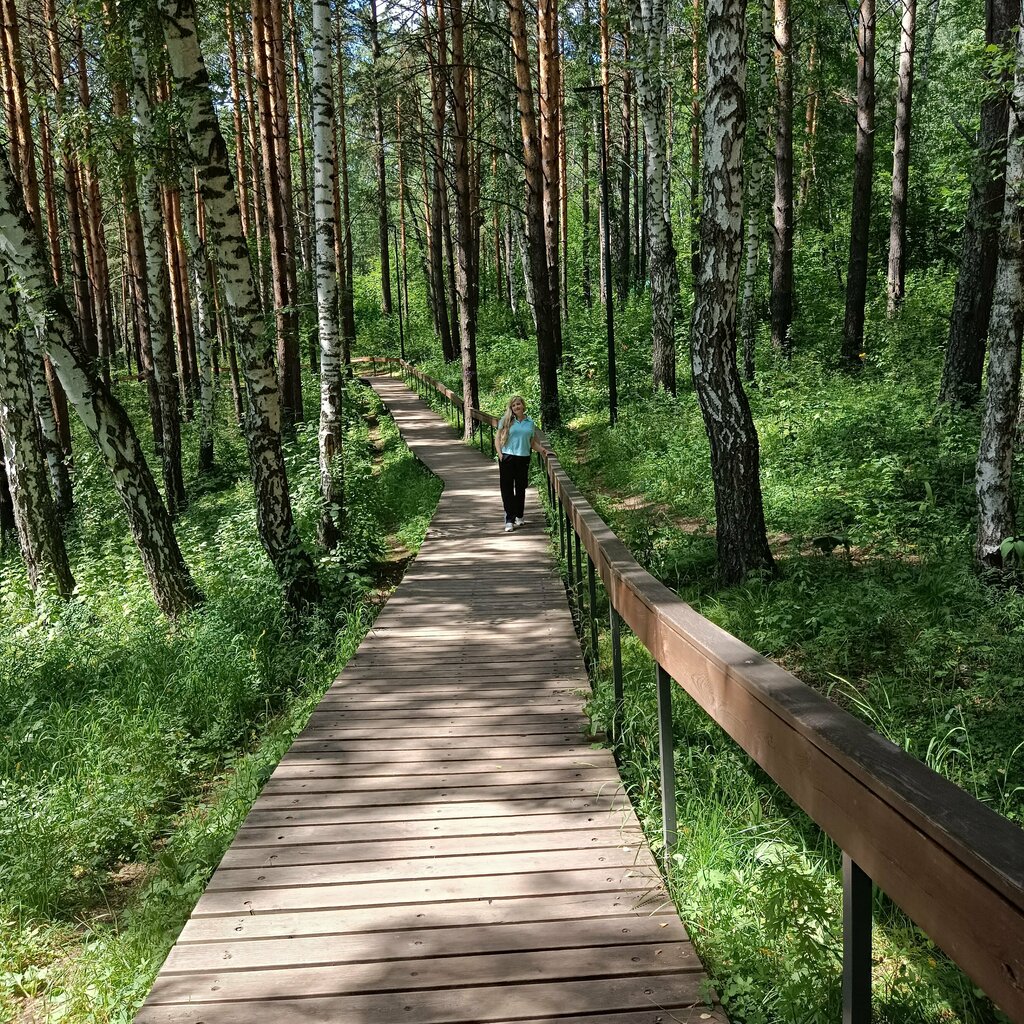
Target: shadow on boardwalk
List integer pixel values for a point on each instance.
(442, 843)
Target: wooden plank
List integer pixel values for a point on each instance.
(453, 1005)
(379, 831)
(332, 793)
(328, 871)
(291, 849)
(292, 779)
(334, 978)
(569, 912)
(420, 943)
(500, 887)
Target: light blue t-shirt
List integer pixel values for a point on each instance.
(519, 436)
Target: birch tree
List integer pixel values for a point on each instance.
(901, 159)
(994, 475)
(101, 413)
(262, 422)
(649, 21)
(735, 454)
(863, 172)
(155, 266)
(782, 211)
(324, 187)
(39, 533)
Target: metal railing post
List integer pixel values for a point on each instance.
(560, 514)
(667, 755)
(619, 700)
(493, 453)
(592, 588)
(568, 550)
(856, 943)
(579, 583)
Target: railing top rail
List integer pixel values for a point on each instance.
(954, 865)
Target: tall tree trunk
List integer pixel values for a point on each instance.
(348, 316)
(157, 281)
(695, 144)
(50, 402)
(863, 171)
(259, 189)
(437, 42)
(464, 202)
(42, 543)
(807, 171)
(782, 211)
(649, 24)
(331, 434)
(548, 89)
(263, 414)
(994, 477)
(100, 412)
(623, 263)
(205, 320)
(378, 155)
(305, 215)
(901, 160)
(241, 174)
(760, 137)
(547, 353)
(277, 174)
(972, 299)
(735, 457)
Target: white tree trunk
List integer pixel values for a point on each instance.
(994, 476)
(205, 326)
(157, 283)
(735, 455)
(102, 415)
(39, 534)
(262, 424)
(331, 384)
(649, 24)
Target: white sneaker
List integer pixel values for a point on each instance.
(509, 527)
(520, 521)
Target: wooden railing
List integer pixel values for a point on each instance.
(951, 863)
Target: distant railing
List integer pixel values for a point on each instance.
(954, 866)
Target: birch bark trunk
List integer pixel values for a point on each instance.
(382, 181)
(782, 212)
(331, 387)
(262, 424)
(155, 269)
(735, 455)
(863, 172)
(103, 416)
(901, 160)
(997, 519)
(39, 534)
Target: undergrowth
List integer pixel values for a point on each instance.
(134, 747)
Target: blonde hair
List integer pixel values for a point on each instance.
(505, 423)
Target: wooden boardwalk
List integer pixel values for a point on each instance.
(443, 843)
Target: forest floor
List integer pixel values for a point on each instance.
(136, 746)
(869, 502)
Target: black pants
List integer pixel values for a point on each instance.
(513, 472)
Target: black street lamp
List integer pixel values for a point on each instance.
(613, 395)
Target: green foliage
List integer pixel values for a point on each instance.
(134, 748)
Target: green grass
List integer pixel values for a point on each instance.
(133, 747)
(870, 509)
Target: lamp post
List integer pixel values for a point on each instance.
(398, 285)
(609, 311)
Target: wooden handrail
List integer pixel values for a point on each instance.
(955, 866)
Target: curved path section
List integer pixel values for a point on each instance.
(443, 843)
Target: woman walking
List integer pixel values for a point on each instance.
(515, 432)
